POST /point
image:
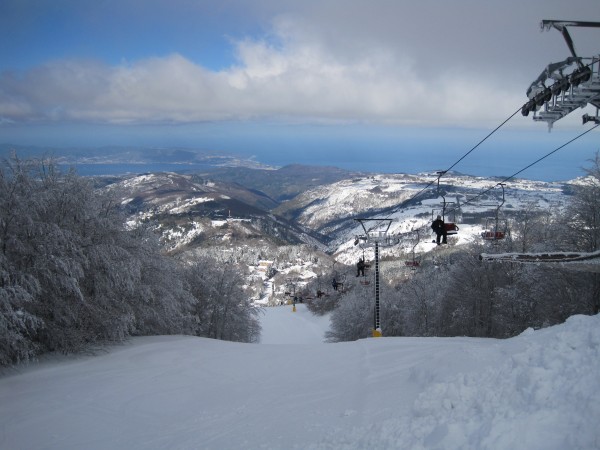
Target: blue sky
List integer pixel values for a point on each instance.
(270, 77)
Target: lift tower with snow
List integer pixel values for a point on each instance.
(376, 236)
(575, 82)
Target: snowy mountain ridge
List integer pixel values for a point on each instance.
(328, 210)
(197, 214)
(188, 211)
(411, 202)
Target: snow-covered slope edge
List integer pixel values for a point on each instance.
(545, 394)
(539, 390)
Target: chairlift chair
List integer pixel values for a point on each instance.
(340, 280)
(493, 235)
(366, 266)
(495, 228)
(363, 279)
(450, 226)
(414, 263)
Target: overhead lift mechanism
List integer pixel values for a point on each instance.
(576, 82)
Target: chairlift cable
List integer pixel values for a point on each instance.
(551, 153)
(530, 165)
(485, 191)
(442, 173)
(481, 142)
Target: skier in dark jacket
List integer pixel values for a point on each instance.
(360, 267)
(440, 230)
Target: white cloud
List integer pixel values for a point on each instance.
(295, 75)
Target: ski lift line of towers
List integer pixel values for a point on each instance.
(377, 236)
(296, 292)
(569, 92)
(495, 227)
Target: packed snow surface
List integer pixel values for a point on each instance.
(540, 390)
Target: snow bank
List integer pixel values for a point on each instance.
(546, 397)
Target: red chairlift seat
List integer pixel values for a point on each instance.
(451, 228)
(489, 235)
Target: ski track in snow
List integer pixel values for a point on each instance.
(540, 390)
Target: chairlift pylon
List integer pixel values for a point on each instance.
(378, 237)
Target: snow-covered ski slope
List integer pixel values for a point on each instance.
(540, 390)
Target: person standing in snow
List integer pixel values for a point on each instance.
(440, 230)
(334, 283)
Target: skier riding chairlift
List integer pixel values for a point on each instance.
(439, 228)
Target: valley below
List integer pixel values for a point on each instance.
(294, 227)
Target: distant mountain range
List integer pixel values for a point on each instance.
(131, 156)
(317, 205)
(278, 183)
(282, 184)
(191, 211)
(294, 204)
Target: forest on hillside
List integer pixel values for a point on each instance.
(73, 277)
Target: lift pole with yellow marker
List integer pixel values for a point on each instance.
(377, 236)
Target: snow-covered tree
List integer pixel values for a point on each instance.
(71, 275)
(533, 229)
(582, 216)
(223, 308)
(18, 289)
(353, 318)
